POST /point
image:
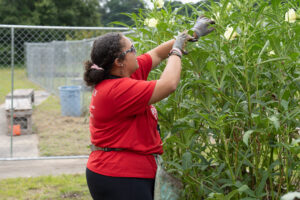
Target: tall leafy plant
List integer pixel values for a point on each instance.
(230, 129)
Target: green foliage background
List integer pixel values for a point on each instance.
(229, 130)
(112, 11)
(50, 12)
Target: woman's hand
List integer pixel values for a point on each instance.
(181, 40)
(162, 51)
(202, 27)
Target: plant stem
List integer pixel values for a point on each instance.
(227, 156)
(255, 160)
(271, 179)
(247, 85)
(281, 174)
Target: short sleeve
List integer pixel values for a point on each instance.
(131, 97)
(145, 65)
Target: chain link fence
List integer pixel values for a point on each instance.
(58, 64)
(43, 99)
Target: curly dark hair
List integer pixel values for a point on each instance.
(105, 50)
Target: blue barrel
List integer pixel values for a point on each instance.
(70, 100)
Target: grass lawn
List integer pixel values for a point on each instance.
(20, 81)
(45, 187)
(59, 135)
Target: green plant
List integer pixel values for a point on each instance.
(229, 130)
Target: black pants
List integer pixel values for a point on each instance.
(119, 188)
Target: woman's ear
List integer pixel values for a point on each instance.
(118, 63)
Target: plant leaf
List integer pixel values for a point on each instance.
(187, 160)
(226, 69)
(259, 189)
(273, 60)
(262, 51)
(213, 70)
(275, 121)
(246, 136)
(285, 104)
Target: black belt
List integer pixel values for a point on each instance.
(106, 149)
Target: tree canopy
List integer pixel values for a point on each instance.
(111, 10)
(50, 12)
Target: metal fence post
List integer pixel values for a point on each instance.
(12, 91)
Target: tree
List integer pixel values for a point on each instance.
(17, 12)
(187, 10)
(112, 10)
(46, 13)
(50, 12)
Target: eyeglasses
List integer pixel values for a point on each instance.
(132, 49)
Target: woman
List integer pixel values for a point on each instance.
(123, 122)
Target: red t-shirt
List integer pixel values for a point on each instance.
(121, 118)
